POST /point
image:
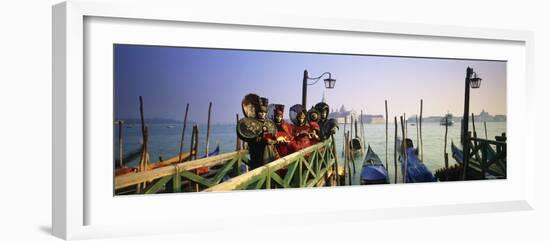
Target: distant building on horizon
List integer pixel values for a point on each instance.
(342, 115)
(482, 116)
(485, 116)
(373, 119)
(499, 118)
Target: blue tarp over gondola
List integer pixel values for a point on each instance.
(373, 171)
(416, 170)
(213, 153)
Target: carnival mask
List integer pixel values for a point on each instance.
(262, 115)
(302, 118)
(324, 115)
(278, 118)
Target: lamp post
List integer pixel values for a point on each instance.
(329, 84)
(474, 82)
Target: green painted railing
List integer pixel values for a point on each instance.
(313, 166)
(488, 157)
(183, 177)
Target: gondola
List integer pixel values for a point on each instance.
(416, 170)
(203, 170)
(373, 171)
(213, 153)
(356, 146)
(356, 143)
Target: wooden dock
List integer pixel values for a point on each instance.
(487, 160)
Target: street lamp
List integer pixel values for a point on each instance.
(329, 84)
(474, 82)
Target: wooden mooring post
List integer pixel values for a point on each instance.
(404, 148)
(208, 129)
(360, 140)
(445, 154)
(485, 127)
(346, 158)
(350, 136)
(474, 126)
(194, 150)
(352, 148)
(395, 148)
(121, 163)
(475, 144)
(238, 146)
(420, 126)
(405, 121)
(344, 137)
(144, 159)
(417, 132)
(386, 106)
(349, 155)
(183, 132)
(363, 133)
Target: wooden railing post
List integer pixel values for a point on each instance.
(239, 164)
(404, 148)
(268, 179)
(176, 180)
(300, 171)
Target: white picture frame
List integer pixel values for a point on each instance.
(75, 201)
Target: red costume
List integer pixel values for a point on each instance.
(301, 138)
(313, 118)
(302, 131)
(284, 131)
(284, 137)
(315, 130)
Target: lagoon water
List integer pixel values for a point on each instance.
(165, 141)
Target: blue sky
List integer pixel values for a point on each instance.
(170, 77)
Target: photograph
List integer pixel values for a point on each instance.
(195, 119)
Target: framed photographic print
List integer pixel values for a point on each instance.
(230, 117)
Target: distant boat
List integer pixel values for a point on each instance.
(373, 171)
(170, 126)
(447, 120)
